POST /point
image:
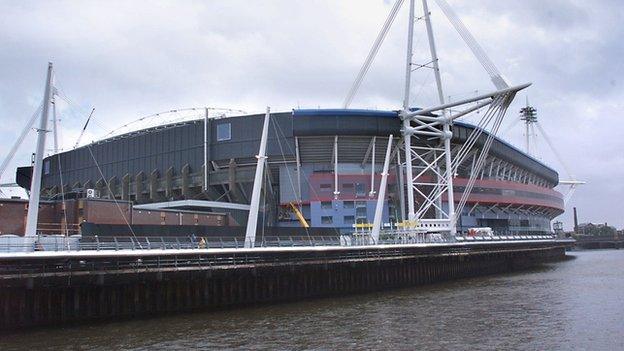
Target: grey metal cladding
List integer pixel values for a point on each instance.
(246, 131)
(507, 152)
(366, 125)
(345, 125)
(144, 151)
(182, 143)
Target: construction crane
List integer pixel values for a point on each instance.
(84, 128)
(299, 215)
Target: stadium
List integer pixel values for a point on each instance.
(323, 170)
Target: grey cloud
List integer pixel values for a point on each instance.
(132, 58)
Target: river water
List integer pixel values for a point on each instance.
(572, 305)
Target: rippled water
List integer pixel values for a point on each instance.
(572, 305)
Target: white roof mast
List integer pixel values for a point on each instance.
(35, 185)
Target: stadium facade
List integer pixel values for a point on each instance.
(319, 160)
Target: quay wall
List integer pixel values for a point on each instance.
(71, 290)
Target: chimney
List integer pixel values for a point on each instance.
(575, 221)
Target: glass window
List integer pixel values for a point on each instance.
(360, 204)
(348, 204)
(349, 220)
(327, 219)
(46, 167)
(360, 189)
(224, 131)
(326, 205)
(325, 187)
(360, 212)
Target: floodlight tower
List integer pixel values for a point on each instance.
(528, 114)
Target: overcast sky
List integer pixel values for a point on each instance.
(129, 59)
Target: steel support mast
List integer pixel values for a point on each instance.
(206, 131)
(421, 155)
(252, 220)
(446, 128)
(54, 122)
(35, 185)
(430, 162)
(406, 123)
(381, 195)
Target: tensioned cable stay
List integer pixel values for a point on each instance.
(467, 146)
(554, 150)
(502, 106)
(314, 192)
(292, 183)
(20, 140)
(474, 136)
(97, 165)
(474, 46)
(372, 53)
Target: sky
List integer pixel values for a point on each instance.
(129, 59)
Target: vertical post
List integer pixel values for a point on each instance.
(434, 53)
(528, 141)
(406, 123)
(35, 185)
(252, 220)
(446, 128)
(381, 195)
(449, 180)
(576, 227)
(372, 189)
(407, 140)
(401, 185)
(298, 160)
(408, 59)
(336, 191)
(206, 131)
(54, 122)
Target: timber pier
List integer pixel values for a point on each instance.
(58, 287)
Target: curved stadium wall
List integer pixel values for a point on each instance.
(513, 192)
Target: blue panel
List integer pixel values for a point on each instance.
(345, 112)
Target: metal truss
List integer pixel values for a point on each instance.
(431, 162)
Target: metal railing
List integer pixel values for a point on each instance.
(202, 260)
(95, 243)
(468, 238)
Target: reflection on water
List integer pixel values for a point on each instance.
(576, 304)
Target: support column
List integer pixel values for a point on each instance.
(153, 186)
(138, 184)
(35, 185)
(232, 183)
(336, 191)
(401, 184)
(169, 184)
(185, 173)
(125, 187)
(100, 187)
(206, 131)
(112, 186)
(298, 159)
(252, 221)
(372, 189)
(406, 123)
(381, 194)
